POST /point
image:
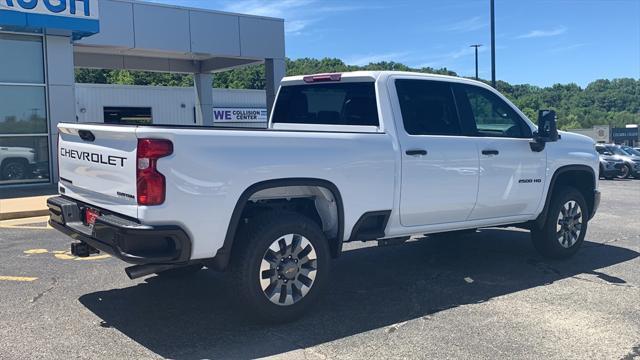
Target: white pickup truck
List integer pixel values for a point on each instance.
(346, 157)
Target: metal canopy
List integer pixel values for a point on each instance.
(144, 36)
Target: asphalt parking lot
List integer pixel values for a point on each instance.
(485, 295)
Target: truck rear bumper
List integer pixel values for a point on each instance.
(123, 238)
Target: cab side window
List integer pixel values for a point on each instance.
(428, 107)
(489, 114)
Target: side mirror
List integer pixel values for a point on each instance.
(607, 153)
(547, 130)
(547, 126)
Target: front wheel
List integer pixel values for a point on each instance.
(565, 227)
(13, 170)
(280, 265)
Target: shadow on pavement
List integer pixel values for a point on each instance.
(372, 287)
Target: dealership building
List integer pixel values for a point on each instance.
(43, 41)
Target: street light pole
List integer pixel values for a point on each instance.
(493, 46)
(476, 46)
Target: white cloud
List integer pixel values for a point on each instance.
(298, 14)
(471, 24)
(543, 33)
(446, 59)
(361, 60)
(567, 47)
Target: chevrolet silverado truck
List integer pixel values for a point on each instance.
(359, 156)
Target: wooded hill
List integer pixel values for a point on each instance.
(614, 102)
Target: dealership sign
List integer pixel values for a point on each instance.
(623, 134)
(239, 115)
(78, 16)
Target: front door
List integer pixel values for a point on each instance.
(439, 165)
(512, 176)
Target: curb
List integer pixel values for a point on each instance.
(23, 214)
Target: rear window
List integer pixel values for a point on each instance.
(327, 104)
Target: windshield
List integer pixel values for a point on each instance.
(631, 150)
(616, 150)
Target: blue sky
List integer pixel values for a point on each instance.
(540, 42)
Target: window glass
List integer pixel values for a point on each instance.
(631, 151)
(616, 150)
(328, 104)
(23, 110)
(427, 107)
(24, 159)
(22, 60)
(600, 150)
(491, 115)
(128, 115)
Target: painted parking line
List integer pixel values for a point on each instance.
(65, 255)
(18, 278)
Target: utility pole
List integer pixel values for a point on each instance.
(476, 46)
(493, 46)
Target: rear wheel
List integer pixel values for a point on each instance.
(625, 172)
(565, 227)
(281, 266)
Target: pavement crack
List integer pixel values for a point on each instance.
(54, 282)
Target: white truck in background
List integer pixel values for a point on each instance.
(16, 163)
(347, 157)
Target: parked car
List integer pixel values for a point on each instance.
(16, 163)
(631, 167)
(347, 157)
(610, 166)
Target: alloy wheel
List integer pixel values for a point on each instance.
(569, 225)
(288, 269)
(14, 171)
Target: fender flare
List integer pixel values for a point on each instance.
(221, 260)
(563, 169)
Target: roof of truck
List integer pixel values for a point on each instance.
(378, 74)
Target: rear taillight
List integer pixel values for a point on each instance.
(151, 184)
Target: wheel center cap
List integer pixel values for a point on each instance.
(289, 270)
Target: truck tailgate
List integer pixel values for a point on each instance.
(97, 165)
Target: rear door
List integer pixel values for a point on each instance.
(512, 176)
(97, 165)
(439, 165)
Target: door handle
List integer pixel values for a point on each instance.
(490, 152)
(416, 152)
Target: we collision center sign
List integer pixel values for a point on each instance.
(239, 115)
(79, 16)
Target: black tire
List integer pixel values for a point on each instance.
(600, 171)
(249, 251)
(13, 169)
(551, 242)
(626, 172)
(181, 272)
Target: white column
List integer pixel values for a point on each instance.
(203, 84)
(275, 70)
(61, 94)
